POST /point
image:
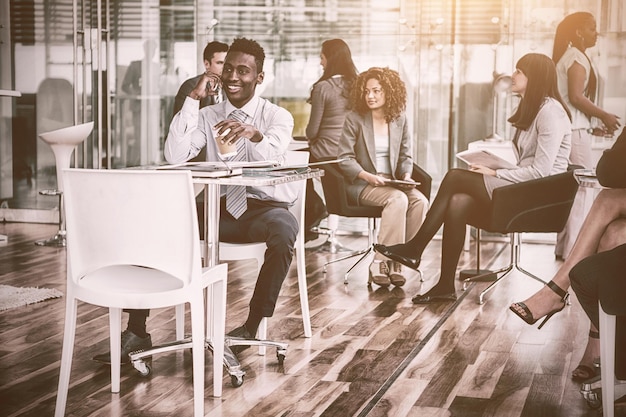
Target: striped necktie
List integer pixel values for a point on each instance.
(236, 201)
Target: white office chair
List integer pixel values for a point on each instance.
(609, 382)
(116, 258)
(239, 251)
(62, 142)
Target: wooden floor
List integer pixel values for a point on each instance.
(373, 353)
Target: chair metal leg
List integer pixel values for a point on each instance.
(332, 244)
(470, 273)
(58, 240)
(514, 264)
(371, 240)
(361, 259)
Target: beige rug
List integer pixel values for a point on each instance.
(11, 297)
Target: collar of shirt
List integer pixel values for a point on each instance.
(249, 108)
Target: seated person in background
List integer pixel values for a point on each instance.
(604, 228)
(541, 144)
(214, 55)
(376, 140)
(262, 131)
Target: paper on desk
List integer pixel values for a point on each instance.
(485, 158)
(211, 169)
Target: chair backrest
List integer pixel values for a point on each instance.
(131, 217)
(541, 205)
(334, 184)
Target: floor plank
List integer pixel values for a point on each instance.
(372, 353)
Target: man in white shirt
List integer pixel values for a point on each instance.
(262, 131)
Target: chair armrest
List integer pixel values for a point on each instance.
(425, 180)
(540, 205)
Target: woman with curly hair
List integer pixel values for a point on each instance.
(542, 146)
(377, 144)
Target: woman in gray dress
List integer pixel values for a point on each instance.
(329, 105)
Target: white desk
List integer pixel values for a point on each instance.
(212, 202)
(211, 252)
(211, 230)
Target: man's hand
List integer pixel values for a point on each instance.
(237, 130)
(207, 86)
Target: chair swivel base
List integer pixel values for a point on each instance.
(141, 359)
(591, 391)
(485, 274)
(57, 241)
(363, 253)
(504, 273)
(332, 245)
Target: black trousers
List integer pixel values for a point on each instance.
(273, 224)
(602, 277)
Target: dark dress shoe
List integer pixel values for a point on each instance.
(130, 343)
(432, 299)
(410, 262)
(240, 332)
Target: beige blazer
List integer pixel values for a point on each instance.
(358, 145)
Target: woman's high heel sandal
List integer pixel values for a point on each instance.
(527, 315)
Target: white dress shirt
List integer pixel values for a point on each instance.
(190, 131)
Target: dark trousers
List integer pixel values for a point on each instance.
(273, 224)
(601, 277)
(268, 222)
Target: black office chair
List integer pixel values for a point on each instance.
(536, 206)
(333, 183)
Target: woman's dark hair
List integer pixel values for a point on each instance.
(393, 86)
(541, 73)
(566, 35)
(338, 62)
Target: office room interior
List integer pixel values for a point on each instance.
(64, 63)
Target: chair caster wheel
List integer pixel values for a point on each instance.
(281, 358)
(236, 380)
(143, 368)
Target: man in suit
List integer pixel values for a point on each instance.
(262, 131)
(214, 55)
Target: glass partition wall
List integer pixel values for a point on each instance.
(120, 62)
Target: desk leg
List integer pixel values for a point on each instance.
(211, 224)
(211, 257)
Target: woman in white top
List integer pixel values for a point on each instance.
(542, 146)
(578, 85)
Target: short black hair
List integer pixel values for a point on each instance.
(213, 47)
(250, 47)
